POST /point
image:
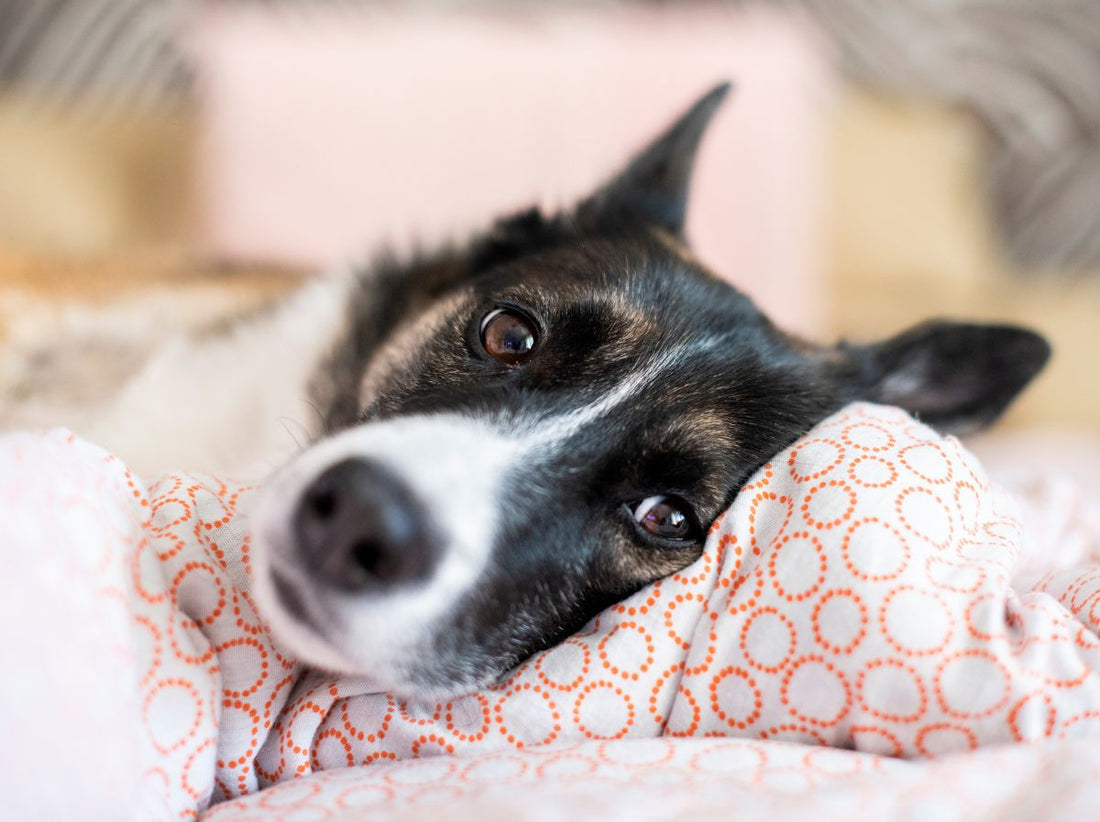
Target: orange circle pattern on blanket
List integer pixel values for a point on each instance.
(858, 593)
(698, 779)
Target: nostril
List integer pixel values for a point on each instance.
(322, 503)
(359, 528)
(368, 557)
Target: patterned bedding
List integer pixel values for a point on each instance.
(869, 589)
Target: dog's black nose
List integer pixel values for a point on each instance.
(359, 528)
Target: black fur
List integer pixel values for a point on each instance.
(611, 285)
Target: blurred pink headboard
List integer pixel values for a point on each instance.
(328, 135)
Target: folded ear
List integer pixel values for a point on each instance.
(957, 377)
(653, 189)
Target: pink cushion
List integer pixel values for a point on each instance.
(326, 135)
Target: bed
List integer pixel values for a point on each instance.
(875, 630)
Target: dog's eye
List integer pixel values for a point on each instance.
(665, 517)
(508, 336)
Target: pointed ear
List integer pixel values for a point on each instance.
(653, 189)
(957, 377)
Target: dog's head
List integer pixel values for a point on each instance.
(530, 429)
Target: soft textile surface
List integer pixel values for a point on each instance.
(639, 780)
(869, 588)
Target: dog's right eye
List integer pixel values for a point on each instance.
(665, 517)
(508, 336)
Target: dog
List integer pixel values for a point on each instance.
(497, 441)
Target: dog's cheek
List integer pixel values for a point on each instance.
(416, 343)
(645, 564)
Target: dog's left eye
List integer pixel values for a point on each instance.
(665, 517)
(508, 336)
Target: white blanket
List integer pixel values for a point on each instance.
(868, 589)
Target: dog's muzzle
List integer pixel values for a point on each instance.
(367, 542)
(359, 529)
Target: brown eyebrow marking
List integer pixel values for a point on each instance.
(706, 426)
